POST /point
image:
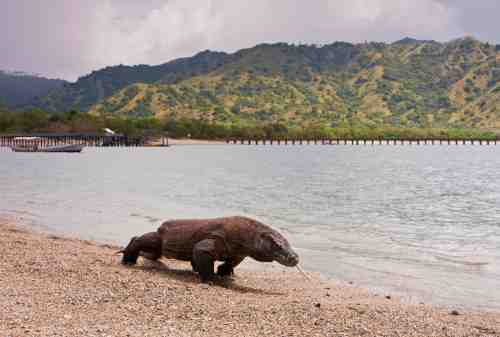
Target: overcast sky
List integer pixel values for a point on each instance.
(69, 38)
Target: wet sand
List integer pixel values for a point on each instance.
(56, 286)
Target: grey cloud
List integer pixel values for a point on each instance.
(477, 18)
(42, 37)
(68, 38)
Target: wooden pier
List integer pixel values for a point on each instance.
(117, 140)
(341, 141)
(87, 139)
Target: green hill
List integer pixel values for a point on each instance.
(406, 83)
(98, 85)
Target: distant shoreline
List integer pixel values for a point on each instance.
(188, 141)
(53, 285)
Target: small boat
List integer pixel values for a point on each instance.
(71, 148)
(32, 144)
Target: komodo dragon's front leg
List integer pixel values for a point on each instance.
(227, 268)
(205, 253)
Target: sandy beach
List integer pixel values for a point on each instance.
(57, 286)
(187, 141)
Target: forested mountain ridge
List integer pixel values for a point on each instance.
(20, 89)
(100, 84)
(405, 83)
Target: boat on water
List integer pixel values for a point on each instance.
(33, 144)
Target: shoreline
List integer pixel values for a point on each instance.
(187, 141)
(60, 286)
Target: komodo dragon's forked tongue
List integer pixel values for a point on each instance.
(299, 268)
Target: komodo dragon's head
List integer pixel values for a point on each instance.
(272, 246)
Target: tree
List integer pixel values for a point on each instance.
(6, 121)
(32, 120)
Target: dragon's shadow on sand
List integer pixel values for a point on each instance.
(189, 276)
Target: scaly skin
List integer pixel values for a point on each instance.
(205, 241)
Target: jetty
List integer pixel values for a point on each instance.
(85, 139)
(351, 141)
(121, 140)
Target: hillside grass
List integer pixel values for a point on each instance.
(407, 85)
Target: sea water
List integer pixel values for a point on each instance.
(419, 221)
